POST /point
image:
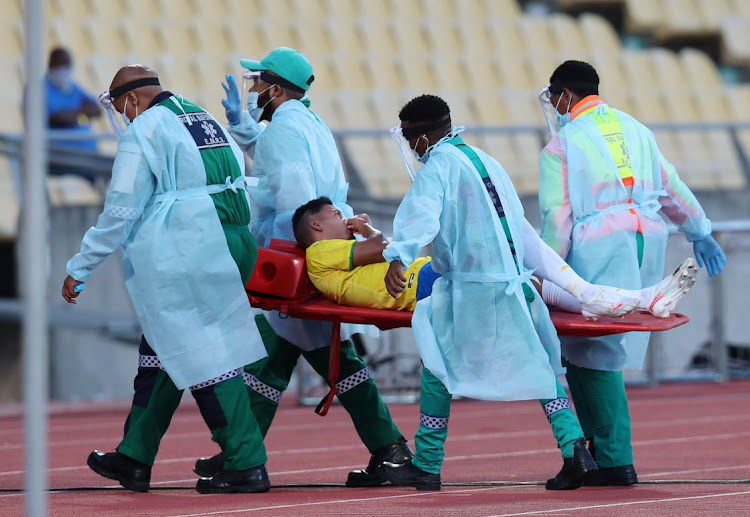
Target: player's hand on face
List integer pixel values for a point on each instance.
(356, 224)
(395, 282)
(364, 217)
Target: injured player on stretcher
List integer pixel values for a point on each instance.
(353, 272)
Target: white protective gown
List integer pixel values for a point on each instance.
(182, 280)
(295, 161)
(475, 332)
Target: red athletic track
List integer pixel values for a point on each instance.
(680, 432)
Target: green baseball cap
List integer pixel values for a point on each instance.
(287, 63)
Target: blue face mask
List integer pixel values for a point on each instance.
(563, 119)
(424, 157)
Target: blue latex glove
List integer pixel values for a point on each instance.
(78, 288)
(232, 104)
(707, 251)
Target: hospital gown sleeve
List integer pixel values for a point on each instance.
(680, 204)
(246, 133)
(554, 201)
(417, 220)
(132, 186)
(285, 163)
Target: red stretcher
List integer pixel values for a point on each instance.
(280, 282)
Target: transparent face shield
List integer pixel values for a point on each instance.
(249, 100)
(550, 113)
(114, 117)
(405, 151)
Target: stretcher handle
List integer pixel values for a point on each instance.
(333, 369)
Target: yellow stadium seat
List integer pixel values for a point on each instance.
(328, 107)
(480, 70)
(357, 109)
(500, 9)
(699, 68)
(487, 107)
(638, 69)
(441, 34)
(683, 18)
(11, 37)
(404, 33)
(566, 34)
(72, 190)
(712, 12)
(643, 16)
(599, 34)
(504, 35)
(735, 40)
(8, 202)
(377, 161)
(446, 9)
(343, 35)
(536, 35)
(523, 105)
(668, 69)
(737, 98)
(512, 69)
(110, 38)
(472, 35)
(741, 7)
(540, 66)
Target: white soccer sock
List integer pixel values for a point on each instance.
(553, 294)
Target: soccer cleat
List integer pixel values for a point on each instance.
(601, 300)
(665, 295)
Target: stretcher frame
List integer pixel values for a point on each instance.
(307, 303)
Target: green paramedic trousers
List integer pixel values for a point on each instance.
(434, 410)
(267, 379)
(602, 407)
(223, 405)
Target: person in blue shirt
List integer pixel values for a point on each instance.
(69, 107)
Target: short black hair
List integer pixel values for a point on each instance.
(425, 108)
(577, 76)
(59, 56)
(302, 216)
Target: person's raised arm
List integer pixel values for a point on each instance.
(369, 250)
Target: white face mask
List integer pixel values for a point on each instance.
(124, 116)
(252, 106)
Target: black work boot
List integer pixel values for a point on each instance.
(397, 452)
(209, 467)
(236, 482)
(574, 469)
(131, 474)
(611, 476)
(407, 474)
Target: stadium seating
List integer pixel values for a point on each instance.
(486, 57)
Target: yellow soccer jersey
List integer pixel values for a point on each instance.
(329, 264)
